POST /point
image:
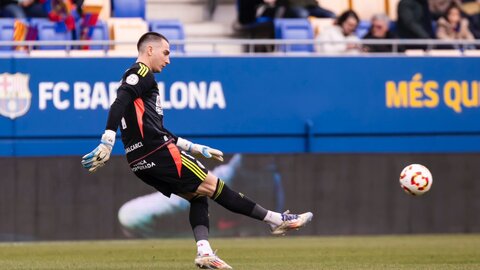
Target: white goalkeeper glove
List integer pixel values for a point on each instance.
(100, 155)
(194, 148)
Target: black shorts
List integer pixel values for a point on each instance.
(170, 171)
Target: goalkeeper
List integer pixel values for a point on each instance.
(165, 161)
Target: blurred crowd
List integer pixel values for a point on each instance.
(23, 9)
(416, 19)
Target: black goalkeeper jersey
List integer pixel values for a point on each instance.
(138, 112)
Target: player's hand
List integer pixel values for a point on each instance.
(204, 150)
(101, 154)
(207, 151)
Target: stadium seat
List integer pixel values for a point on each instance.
(35, 21)
(393, 26)
(48, 31)
(129, 8)
(367, 8)
(99, 32)
(294, 29)
(172, 30)
(126, 30)
(363, 28)
(6, 32)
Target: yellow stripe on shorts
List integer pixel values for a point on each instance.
(194, 168)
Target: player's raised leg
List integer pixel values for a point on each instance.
(236, 202)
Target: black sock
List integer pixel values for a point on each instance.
(237, 202)
(199, 218)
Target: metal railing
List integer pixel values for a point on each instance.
(211, 46)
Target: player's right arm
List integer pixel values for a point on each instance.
(136, 80)
(196, 148)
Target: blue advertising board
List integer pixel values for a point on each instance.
(252, 104)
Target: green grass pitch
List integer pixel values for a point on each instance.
(283, 253)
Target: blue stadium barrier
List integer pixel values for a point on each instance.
(291, 105)
(129, 8)
(171, 29)
(363, 28)
(294, 29)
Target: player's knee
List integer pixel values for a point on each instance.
(208, 186)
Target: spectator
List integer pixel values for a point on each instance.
(472, 9)
(341, 34)
(22, 9)
(439, 7)
(452, 26)
(255, 20)
(249, 9)
(33, 8)
(414, 20)
(79, 5)
(379, 30)
(306, 8)
(11, 8)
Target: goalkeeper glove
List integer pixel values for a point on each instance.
(194, 148)
(100, 155)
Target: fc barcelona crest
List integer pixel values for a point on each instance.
(15, 95)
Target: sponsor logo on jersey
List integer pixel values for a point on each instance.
(158, 105)
(133, 147)
(15, 95)
(143, 165)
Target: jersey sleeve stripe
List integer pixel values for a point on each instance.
(140, 110)
(139, 72)
(143, 70)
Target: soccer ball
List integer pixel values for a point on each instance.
(416, 179)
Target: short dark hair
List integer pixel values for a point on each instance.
(150, 36)
(345, 15)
